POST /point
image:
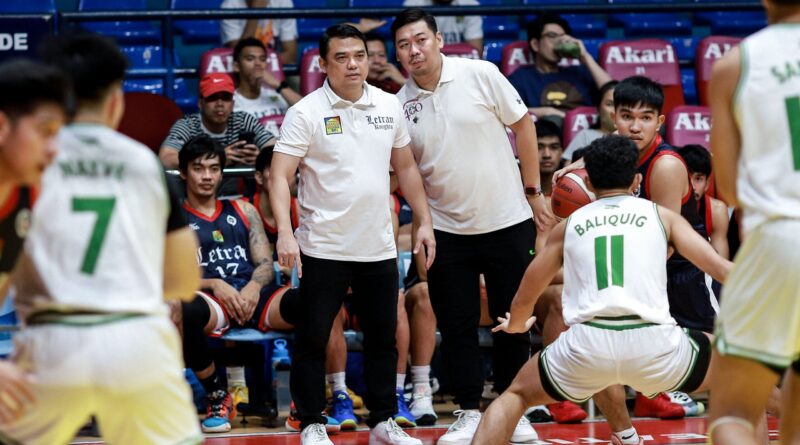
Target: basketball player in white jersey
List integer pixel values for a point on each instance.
(615, 300)
(755, 104)
(106, 246)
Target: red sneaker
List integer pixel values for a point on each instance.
(660, 406)
(566, 412)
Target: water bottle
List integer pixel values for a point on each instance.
(281, 365)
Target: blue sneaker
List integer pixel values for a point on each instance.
(342, 410)
(219, 411)
(404, 418)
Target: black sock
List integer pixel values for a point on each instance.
(211, 383)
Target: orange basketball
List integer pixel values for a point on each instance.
(570, 193)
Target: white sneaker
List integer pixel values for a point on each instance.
(690, 406)
(389, 433)
(315, 434)
(524, 432)
(463, 429)
(422, 408)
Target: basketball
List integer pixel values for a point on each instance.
(570, 193)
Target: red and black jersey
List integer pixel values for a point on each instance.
(15, 220)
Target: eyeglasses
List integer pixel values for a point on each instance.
(552, 35)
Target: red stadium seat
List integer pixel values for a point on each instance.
(461, 50)
(576, 120)
(220, 60)
(148, 118)
(311, 76)
(708, 51)
(515, 55)
(653, 58)
(689, 124)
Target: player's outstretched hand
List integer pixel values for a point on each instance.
(512, 327)
(289, 252)
(15, 392)
(425, 238)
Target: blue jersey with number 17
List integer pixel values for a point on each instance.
(224, 238)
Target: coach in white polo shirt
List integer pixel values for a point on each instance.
(457, 111)
(345, 137)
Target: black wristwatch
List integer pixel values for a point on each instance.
(532, 190)
(283, 84)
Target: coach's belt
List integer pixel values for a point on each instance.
(620, 323)
(79, 318)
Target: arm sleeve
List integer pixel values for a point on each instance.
(501, 95)
(296, 134)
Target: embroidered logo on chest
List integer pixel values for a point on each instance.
(333, 125)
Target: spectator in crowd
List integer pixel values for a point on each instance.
(259, 92)
(382, 73)
(457, 111)
(456, 29)
(548, 88)
(548, 139)
(278, 34)
(239, 132)
(603, 126)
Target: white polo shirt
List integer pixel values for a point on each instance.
(459, 139)
(344, 172)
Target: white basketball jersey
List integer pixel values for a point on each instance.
(767, 107)
(615, 253)
(97, 239)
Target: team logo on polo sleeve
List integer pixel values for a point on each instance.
(333, 125)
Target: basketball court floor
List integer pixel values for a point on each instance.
(655, 432)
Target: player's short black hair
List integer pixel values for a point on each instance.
(546, 128)
(200, 146)
(578, 154)
(413, 15)
(637, 91)
(25, 84)
(264, 159)
(340, 31)
(244, 43)
(536, 27)
(697, 157)
(611, 162)
(93, 62)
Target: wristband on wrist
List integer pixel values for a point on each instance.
(532, 190)
(283, 84)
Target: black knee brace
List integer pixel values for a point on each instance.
(196, 351)
(291, 307)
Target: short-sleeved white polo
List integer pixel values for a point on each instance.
(459, 139)
(344, 172)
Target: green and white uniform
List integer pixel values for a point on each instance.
(96, 333)
(760, 311)
(615, 302)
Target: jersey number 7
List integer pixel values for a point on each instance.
(103, 207)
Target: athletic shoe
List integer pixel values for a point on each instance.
(342, 411)
(463, 429)
(566, 412)
(690, 406)
(358, 402)
(404, 418)
(524, 432)
(659, 406)
(539, 413)
(616, 440)
(314, 434)
(422, 408)
(293, 423)
(390, 433)
(219, 411)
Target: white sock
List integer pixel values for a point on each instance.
(401, 381)
(235, 376)
(421, 376)
(337, 381)
(628, 436)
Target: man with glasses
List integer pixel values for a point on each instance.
(548, 87)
